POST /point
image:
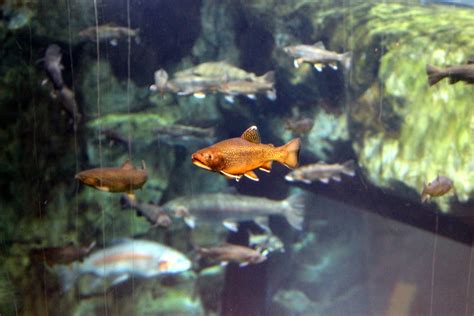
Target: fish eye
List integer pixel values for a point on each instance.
(208, 156)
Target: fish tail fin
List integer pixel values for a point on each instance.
(346, 60)
(424, 194)
(269, 77)
(294, 212)
(291, 152)
(68, 274)
(349, 168)
(435, 74)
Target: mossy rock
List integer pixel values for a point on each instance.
(434, 125)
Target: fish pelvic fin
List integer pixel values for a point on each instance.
(348, 168)
(435, 74)
(291, 152)
(346, 60)
(294, 210)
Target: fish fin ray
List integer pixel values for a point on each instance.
(295, 210)
(319, 44)
(319, 67)
(292, 151)
(251, 134)
(251, 175)
(349, 168)
(231, 225)
(346, 60)
(262, 222)
(267, 166)
(435, 74)
(127, 165)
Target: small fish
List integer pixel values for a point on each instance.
(248, 88)
(230, 209)
(217, 70)
(68, 102)
(52, 65)
(61, 255)
(109, 32)
(322, 172)
(266, 243)
(237, 157)
(184, 134)
(126, 178)
(130, 258)
(162, 83)
(299, 126)
(318, 56)
(232, 253)
(438, 187)
(115, 137)
(153, 213)
(454, 73)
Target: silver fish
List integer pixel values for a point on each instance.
(318, 56)
(230, 209)
(322, 172)
(138, 258)
(263, 84)
(177, 134)
(109, 32)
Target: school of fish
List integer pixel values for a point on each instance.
(233, 158)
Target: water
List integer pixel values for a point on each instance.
(368, 246)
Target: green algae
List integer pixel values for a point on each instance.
(435, 136)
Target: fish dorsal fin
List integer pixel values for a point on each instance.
(251, 134)
(319, 45)
(127, 165)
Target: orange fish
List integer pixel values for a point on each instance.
(122, 179)
(237, 157)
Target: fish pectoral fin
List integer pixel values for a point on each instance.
(231, 225)
(251, 96)
(120, 279)
(251, 175)
(336, 177)
(319, 45)
(319, 67)
(262, 222)
(243, 264)
(251, 135)
(267, 167)
(224, 263)
(333, 65)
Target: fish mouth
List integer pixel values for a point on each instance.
(199, 163)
